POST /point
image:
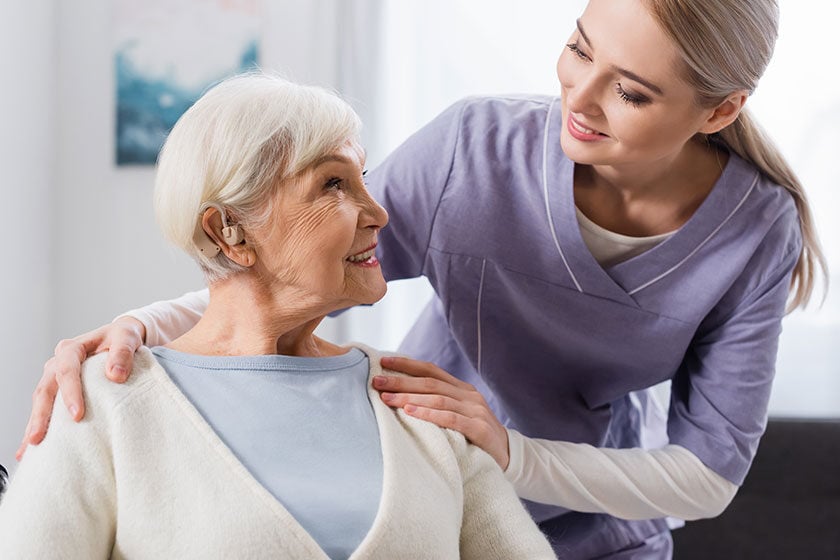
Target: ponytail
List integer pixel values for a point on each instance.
(747, 139)
(726, 46)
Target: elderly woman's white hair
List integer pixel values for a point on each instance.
(235, 145)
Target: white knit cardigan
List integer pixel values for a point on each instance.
(144, 476)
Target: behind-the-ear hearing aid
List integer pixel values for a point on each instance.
(203, 241)
(232, 234)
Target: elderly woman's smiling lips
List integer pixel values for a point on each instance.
(366, 258)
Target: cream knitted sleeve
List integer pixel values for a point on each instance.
(495, 523)
(626, 483)
(61, 501)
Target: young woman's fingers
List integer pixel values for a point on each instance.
(66, 368)
(443, 418)
(418, 368)
(399, 384)
(24, 443)
(427, 385)
(437, 402)
(42, 405)
(120, 360)
(21, 450)
(63, 372)
(125, 336)
(474, 419)
(493, 439)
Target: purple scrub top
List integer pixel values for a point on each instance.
(481, 203)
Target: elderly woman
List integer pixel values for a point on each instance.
(249, 436)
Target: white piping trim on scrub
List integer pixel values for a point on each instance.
(478, 317)
(717, 229)
(545, 196)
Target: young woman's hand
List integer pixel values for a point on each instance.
(433, 394)
(62, 372)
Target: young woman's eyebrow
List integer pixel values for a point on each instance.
(622, 71)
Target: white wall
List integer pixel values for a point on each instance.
(106, 240)
(86, 246)
(797, 102)
(109, 254)
(27, 57)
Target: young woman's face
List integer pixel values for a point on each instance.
(319, 244)
(622, 97)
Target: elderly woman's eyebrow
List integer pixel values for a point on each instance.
(331, 158)
(340, 158)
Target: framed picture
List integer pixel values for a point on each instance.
(166, 54)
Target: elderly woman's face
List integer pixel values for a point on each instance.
(319, 245)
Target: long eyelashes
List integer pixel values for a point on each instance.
(576, 50)
(629, 98)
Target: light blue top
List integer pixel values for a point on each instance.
(303, 427)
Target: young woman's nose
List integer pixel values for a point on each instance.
(584, 96)
(582, 87)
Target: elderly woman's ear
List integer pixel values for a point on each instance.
(229, 237)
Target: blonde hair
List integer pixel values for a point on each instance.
(234, 146)
(726, 46)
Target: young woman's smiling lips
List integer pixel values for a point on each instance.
(581, 132)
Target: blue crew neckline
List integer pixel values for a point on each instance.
(266, 362)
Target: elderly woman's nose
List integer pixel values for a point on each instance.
(373, 214)
(380, 215)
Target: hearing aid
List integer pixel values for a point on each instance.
(232, 234)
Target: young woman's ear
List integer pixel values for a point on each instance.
(725, 113)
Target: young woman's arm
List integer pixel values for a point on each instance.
(625, 483)
(155, 324)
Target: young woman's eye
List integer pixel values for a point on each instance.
(630, 98)
(577, 52)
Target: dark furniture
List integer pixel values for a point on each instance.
(4, 477)
(788, 507)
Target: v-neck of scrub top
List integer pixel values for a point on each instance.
(621, 281)
(610, 248)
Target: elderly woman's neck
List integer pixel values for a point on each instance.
(242, 321)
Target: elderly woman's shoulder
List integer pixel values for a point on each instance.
(99, 388)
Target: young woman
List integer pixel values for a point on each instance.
(248, 436)
(637, 229)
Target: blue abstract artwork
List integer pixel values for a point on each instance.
(167, 53)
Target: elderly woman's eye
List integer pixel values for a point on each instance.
(334, 183)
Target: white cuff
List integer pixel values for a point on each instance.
(516, 448)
